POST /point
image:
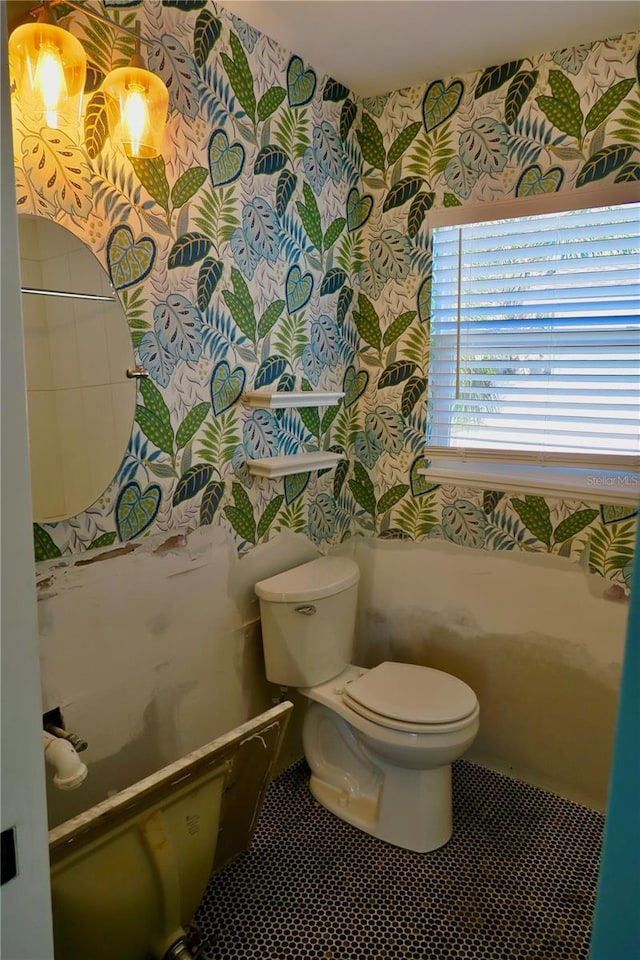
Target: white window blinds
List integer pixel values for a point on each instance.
(535, 336)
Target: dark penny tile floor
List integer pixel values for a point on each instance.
(516, 881)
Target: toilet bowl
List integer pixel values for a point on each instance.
(379, 742)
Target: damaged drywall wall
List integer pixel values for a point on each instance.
(153, 656)
(537, 639)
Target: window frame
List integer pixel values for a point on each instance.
(604, 478)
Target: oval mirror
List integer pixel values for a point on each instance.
(78, 348)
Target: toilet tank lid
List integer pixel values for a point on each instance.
(413, 694)
(310, 581)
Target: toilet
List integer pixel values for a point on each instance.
(379, 742)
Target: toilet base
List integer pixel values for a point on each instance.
(407, 808)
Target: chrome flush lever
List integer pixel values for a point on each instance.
(308, 609)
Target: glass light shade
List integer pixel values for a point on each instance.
(48, 67)
(137, 104)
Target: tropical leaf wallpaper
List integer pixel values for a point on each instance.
(280, 242)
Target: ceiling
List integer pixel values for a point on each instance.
(375, 46)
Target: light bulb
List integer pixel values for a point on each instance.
(135, 118)
(49, 82)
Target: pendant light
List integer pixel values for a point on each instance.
(137, 105)
(48, 67)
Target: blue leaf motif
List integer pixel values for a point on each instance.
(269, 370)
(311, 365)
(226, 160)
(298, 289)
(325, 340)
(136, 509)
(327, 149)
(226, 386)
(322, 517)
(178, 324)
(177, 68)
(387, 426)
(315, 174)
(464, 523)
(367, 448)
(301, 83)
(262, 228)
(260, 434)
(332, 281)
(244, 254)
(249, 35)
(156, 359)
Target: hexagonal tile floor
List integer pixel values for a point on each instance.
(516, 881)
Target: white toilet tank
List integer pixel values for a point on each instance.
(308, 620)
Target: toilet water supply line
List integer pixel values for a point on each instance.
(61, 754)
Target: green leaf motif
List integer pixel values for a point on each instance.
(398, 327)
(563, 108)
(534, 513)
(493, 77)
(574, 524)
(191, 423)
(404, 190)
(284, 191)
(339, 477)
(347, 116)
(43, 545)
(491, 499)
(270, 101)
(270, 317)
(362, 489)
(96, 127)
(440, 103)
(240, 76)
(519, 89)
(391, 497)
(367, 322)
(630, 173)
(187, 185)
(240, 515)
(311, 419)
(160, 434)
(397, 372)
(191, 482)
(211, 498)
(154, 401)
(269, 514)
(152, 175)
(403, 141)
(206, 32)
(563, 89)
(208, 279)
(334, 91)
(333, 231)
(105, 540)
(310, 216)
(413, 390)
(294, 486)
(371, 144)
(418, 211)
(240, 304)
(604, 162)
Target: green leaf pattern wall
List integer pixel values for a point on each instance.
(280, 242)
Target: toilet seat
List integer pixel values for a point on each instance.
(408, 697)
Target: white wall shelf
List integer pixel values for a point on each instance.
(274, 467)
(280, 400)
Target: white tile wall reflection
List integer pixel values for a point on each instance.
(81, 404)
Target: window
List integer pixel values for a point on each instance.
(535, 344)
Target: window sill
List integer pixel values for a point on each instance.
(597, 486)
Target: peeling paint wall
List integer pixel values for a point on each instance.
(536, 638)
(154, 654)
